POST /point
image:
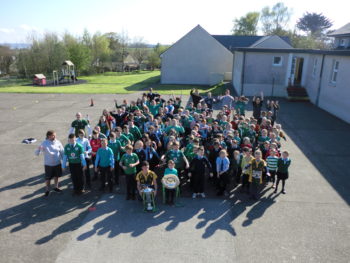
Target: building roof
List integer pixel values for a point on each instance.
(68, 62)
(295, 50)
(231, 42)
(343, 31)
(39, 76)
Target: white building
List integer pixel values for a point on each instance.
(203, 59)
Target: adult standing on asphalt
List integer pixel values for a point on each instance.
(74, 154)
(227, 100)
(257, 105)
(79, 124)
(196, 98)
(53, 154)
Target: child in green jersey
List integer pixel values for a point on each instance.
(128, 162)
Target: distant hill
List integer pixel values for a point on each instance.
(16, 45)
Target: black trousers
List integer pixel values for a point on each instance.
(87, 172)
(198, 180)
(76, 171)
(170, 195)
(224, 180)
(93, 159)
(245, 181)
(130, 184)
(106, 175)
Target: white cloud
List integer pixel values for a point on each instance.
(29, 28)
(7, 30)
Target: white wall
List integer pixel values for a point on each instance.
(312, 79)
(237, 71)
(335, 98)
(197, 58)
(260, 72)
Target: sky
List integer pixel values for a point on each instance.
(156, 21)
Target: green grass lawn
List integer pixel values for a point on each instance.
(109, 82)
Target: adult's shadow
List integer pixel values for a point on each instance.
(41, 209)
(32, 181)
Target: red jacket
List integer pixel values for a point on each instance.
(95, 145)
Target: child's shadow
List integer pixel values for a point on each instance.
(259, 209)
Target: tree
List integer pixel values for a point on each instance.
(275, 20)
(154, 56)
(6, 59)
(246, 25)
(139, 50)
(99, 50)
(78, 53)
(314, 24)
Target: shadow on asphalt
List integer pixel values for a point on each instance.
(121, 216)
(323, 139)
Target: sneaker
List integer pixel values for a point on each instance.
(273, 186)
(47, 193)
(194, 195)
(203, 195)
(57, 190)
(283, 192)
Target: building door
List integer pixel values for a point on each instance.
(296, 71)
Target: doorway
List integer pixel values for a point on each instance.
(297, 71)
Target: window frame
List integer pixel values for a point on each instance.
(335, 70)
(279, 64)
(342, 42)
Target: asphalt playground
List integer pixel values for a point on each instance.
(311, 223)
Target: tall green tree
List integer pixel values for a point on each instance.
(275, 20)
(78, 53)
(154, 60)
(99, 50)
(246, 25)
(6, 59)
(314, 24)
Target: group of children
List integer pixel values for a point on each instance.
(151, 137)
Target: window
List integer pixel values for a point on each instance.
(277, 61)
(314, 69)
(342, 43)
(335, 72)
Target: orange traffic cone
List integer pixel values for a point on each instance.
(92, 103)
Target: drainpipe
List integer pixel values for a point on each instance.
(320, 82)
(242, 73)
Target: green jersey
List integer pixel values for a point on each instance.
(178, 158)
(123, 140)
(240, 107)
(126, 160)
(73, 152)
(129, 136)
(79, 125)
(135, 131)
(154, 109)
(116, 148)
(177, 128)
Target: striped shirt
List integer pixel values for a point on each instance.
(272, 163)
